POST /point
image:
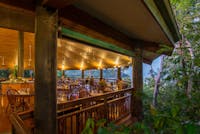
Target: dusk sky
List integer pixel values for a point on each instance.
(147, 67)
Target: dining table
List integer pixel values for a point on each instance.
(26, 100)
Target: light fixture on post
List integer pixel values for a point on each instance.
(82, 65)
(30, 59)
(63, 63)
(100, 64)
(116, 62)
(3, 62)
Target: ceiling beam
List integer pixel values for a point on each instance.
(96, 42)
(17, 20)
(28, 5)
(59, 3)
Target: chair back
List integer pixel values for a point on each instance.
(11, 95)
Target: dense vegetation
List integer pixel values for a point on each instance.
(174, 106)
(171, 98)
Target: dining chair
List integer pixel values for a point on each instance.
(13, 102)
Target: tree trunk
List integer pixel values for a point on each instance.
(157, 82)
(186, 45)
(190, 82)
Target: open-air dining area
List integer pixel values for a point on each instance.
(98, 81)
(64, 62)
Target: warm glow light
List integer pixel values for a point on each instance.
(63, 63)
(70, 42)
(2, 102)
(82, 65)
(100, 64)
(89, 50)
(59, 42)
(85, 56)
(3, 62)
(63, 66)
(117, 61)
(70, 48)
(16, 60)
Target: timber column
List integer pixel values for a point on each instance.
(118, 72)
(21, 55)
(46, 25)
(82, 74)
(101, 73)
(137, 110)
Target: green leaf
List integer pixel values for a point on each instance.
(101, 123)
(174, 111)
(179, 130)
(191, 129)
(102, 130)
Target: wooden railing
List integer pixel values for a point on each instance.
(22, 123)
(72, 116)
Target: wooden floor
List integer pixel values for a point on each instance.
(5, 126)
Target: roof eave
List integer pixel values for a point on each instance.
(163, 14)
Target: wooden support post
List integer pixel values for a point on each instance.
(82, 74)
(137, 110)
(45, 70)
(101, 73)
(63, 72)
(21, 55)
(118, 72)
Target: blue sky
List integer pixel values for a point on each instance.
(146, 67)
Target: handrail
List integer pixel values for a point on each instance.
(92, 98)
(91, 107)
(18, 124)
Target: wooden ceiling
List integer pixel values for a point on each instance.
(128, 24)
(70, 55)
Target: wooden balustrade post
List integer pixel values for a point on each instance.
(13, 131)
(21, 55)
(106, 108)
(136, 101)
(46, 27)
